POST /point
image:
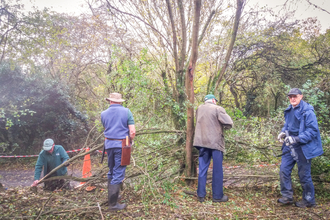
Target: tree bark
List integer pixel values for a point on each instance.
(190, 171)
(175, 50)
(233, 92)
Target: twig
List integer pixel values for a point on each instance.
(140, 19)
(318, 7)
(159, 132)
(89, 134)
(133, 161)
(78, 179)
(44, 206)
(190, 193)
(100, 211)
(259, 176)
(314, 214)
(71, 210)
(185, 177)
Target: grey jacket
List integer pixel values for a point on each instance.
(211, 119)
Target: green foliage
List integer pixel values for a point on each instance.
(253, 139)
(316, 97)
(34, 108)
(235, 114)
(321, 164)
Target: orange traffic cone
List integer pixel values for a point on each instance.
(87, 167)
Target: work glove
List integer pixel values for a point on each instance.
(66, 164)
(281, 137)
(291, 140)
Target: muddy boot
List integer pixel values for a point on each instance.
(223, 199)
(113, 193)
(285, 200)
(304, 204)
(109, 181)
(200, 199)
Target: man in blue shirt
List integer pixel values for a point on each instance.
(49, 158)
(304, 136)
(118, 122)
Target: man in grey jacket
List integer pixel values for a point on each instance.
(211, 119)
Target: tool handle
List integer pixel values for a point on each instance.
(287, 133)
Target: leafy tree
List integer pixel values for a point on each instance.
(34, 108)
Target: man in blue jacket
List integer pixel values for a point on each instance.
(118, 122)
(304, 136)
(49, 158)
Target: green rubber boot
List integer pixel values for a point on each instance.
(113, 193)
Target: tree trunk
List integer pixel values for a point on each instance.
(233, 92)
(190, 171)
(232, 41)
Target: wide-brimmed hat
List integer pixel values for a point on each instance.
(295, 91)
(115, 97)
(48, 144)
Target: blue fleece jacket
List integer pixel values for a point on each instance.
(115, 121)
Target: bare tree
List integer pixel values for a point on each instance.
(172, 39)
(190, 90)
(239, 9)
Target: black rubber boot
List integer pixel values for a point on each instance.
(121, 186)
(113, 193)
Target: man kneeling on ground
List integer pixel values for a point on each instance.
(49, 158)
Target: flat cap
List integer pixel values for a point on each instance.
(295, 91)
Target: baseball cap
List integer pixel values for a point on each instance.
(209, 97)
(295, 91)
(48, 144)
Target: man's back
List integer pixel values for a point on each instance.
(114, 121)
(210, 119)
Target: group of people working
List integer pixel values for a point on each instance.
(300, 136)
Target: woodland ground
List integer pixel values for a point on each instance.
(252, 192)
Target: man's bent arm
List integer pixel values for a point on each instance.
(64, 155)
(131, 131)
(38, 168)
(311, 129)
(224, 118)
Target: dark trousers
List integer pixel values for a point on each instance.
(116, 171)
(205, 155)
(304, 173)
(56, 184)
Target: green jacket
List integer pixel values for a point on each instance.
(51, 161)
